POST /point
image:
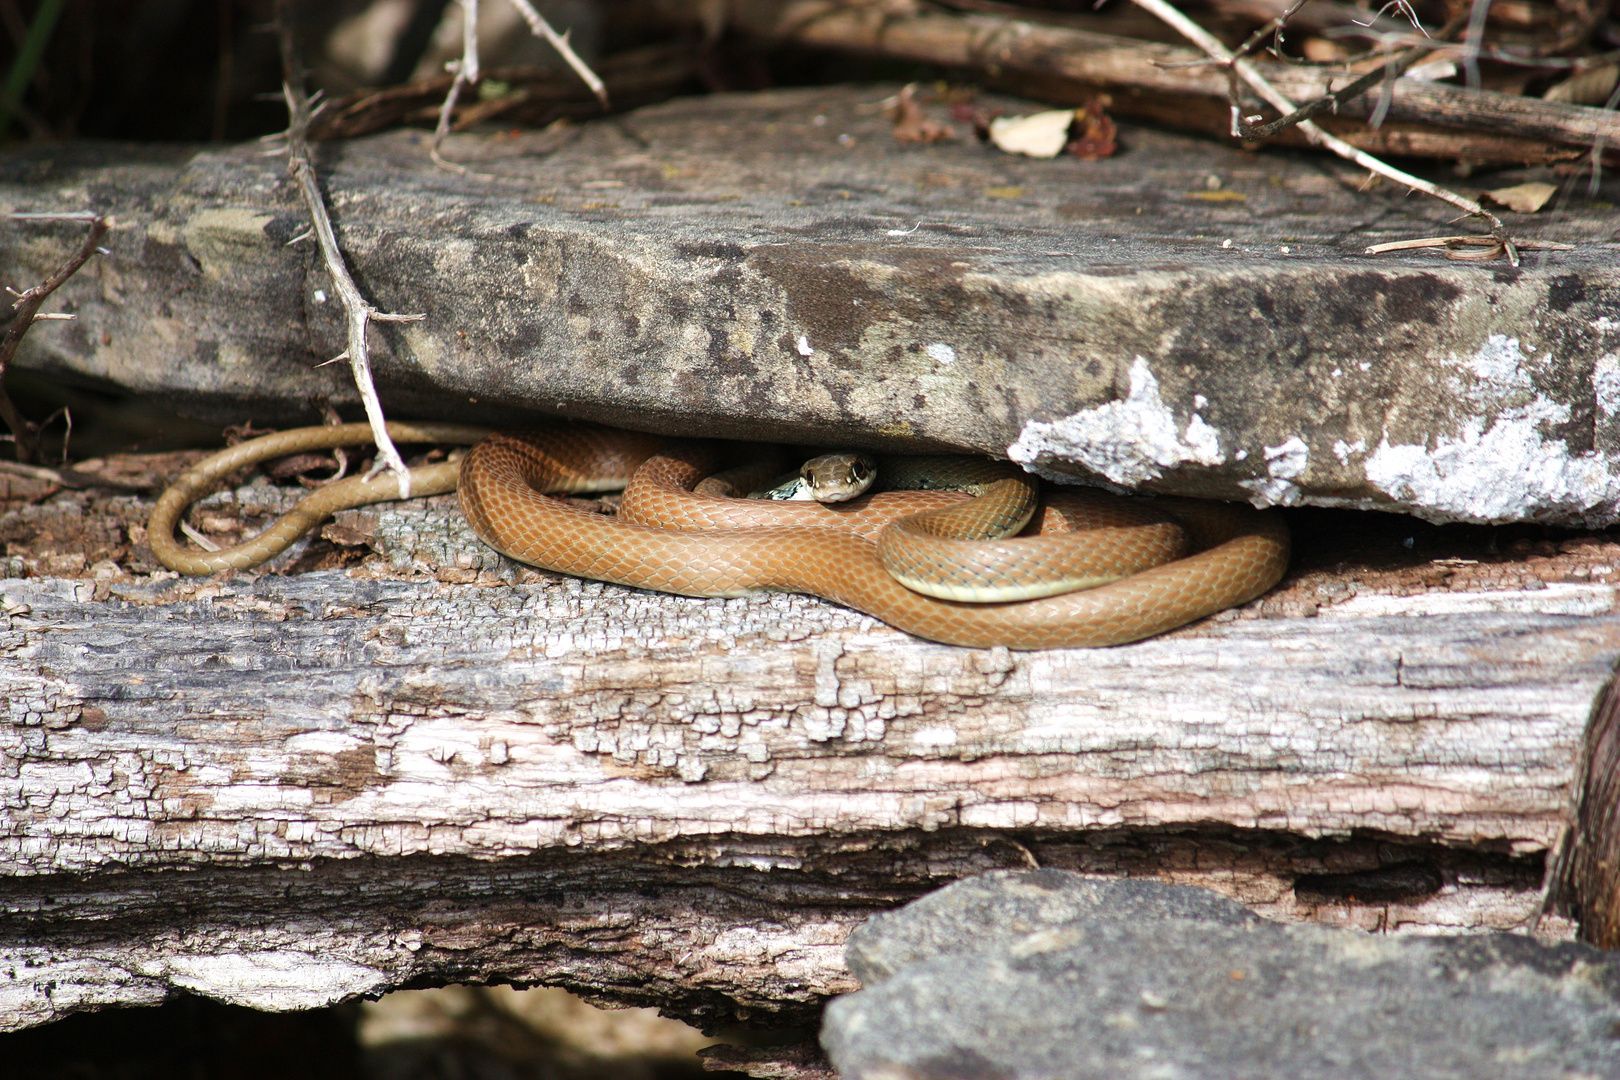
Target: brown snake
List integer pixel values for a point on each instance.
(669, 539)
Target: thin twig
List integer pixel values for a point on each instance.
(1273, 27)
(466, 71)
(198, 538)
(359, 312)
(69, 477)
(1206, 41)
(1464, 241)
(1597, 149)
(1477, 12)
(1389, 72)
(25, 313)
(541, 28)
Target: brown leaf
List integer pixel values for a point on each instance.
(1590, 87)
(1522, 198)
(911, 125)
(1092, 134)
(977, 115)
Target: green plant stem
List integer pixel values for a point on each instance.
(28, 57)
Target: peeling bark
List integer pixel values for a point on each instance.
(284, 791)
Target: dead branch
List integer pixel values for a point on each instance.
(467, 73)
(1244, 70)
(541, 28)
(1385, 73)
(538, 96)
(359, 312)
(1506, 127)
(25, 313)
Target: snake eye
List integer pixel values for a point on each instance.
(804, 474)
(858, 470)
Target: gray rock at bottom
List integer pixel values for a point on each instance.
(1047, 974)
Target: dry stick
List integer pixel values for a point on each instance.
(1272, 27)
(358, 311)
(1389, 72)
(1597, 150)
(1207, 41)
(1477, 12)
(1481, 125)
(541, 28)
(466, 69)
(25, 313)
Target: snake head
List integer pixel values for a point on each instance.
(839, 477)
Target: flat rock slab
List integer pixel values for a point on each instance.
(1037, 974)
(1182, 317)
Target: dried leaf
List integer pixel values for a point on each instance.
(1522, 198)
(1432, 70)
(1590, 87)
(1042, 135)
(1093, 134)
(911, 125)
(1322, 51)
(980, 117)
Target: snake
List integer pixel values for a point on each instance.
(939, 564)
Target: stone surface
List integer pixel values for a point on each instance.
(1034, 975)
(997, 910)
(1182, 317)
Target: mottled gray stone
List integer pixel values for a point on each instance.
(998, 909)
(972, 982)
(1183, 317)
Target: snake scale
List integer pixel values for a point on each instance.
(1136, 568)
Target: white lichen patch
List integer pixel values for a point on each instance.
(1500, 465)
(1343, 450)
(1129, 442)
(276, 981)
(1284, 464)
(1606, 383)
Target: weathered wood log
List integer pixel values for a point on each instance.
(283, 791)
(1161, 76)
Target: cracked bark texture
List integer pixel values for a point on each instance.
(285, 791)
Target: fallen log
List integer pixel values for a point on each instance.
(285, 791)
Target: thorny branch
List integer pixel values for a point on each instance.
(1245, 71)
(467, 73)
(359, 312)
(541, 28)
(25, 313)
(1387, 73)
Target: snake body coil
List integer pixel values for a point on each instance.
(670, 539)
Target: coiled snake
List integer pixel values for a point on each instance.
(1137, 568)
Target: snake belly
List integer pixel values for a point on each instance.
(1239, 553)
